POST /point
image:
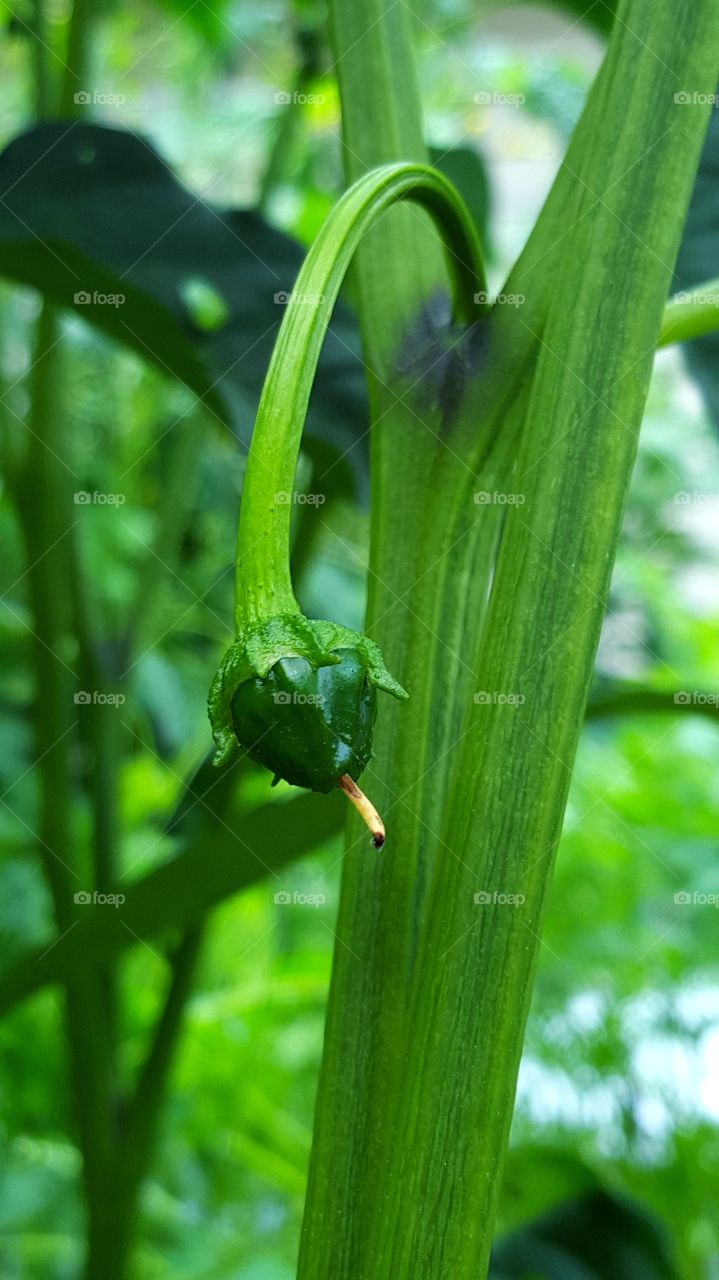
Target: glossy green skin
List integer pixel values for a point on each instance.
(308, 725)
(261, 645)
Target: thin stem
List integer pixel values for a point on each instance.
(263, 583)
(77, 55)
(288, 127)
(626, 699)
(179, 488)
(691, 314)
(114, 1220)
(42, 84)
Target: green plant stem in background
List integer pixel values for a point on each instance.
(40, 53)
(289, 126)
(47, 511)
(66, 637)
(177, 895)
(691, 314)
(264, 586)
(413, 1114)
(173, 509)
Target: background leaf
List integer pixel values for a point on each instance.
(89, 211)
(595, 1237)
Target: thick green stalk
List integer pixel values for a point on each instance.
(411, 352)
(512, 771)
(264, 586)
(414, 1109)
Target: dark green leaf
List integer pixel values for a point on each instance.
(596, 1237)
(90, 214)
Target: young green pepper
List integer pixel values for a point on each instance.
(299, 695)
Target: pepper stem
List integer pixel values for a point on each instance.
(365, 809)
(263, 581)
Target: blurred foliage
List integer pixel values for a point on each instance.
(618, 1084)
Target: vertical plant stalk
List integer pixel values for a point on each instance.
(424, 1031)
(46, 511)
(401, 285)
(66, 659)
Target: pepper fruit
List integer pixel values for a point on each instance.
(300, 695)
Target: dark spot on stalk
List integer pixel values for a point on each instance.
(437, 359)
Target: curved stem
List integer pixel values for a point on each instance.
(691, 314)
(263, 582)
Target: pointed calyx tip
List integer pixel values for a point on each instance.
(365, 809)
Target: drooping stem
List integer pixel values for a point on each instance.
(263, 584)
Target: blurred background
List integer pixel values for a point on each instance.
(619, 1088)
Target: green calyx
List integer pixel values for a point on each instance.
(289, 680)
(298, 695)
